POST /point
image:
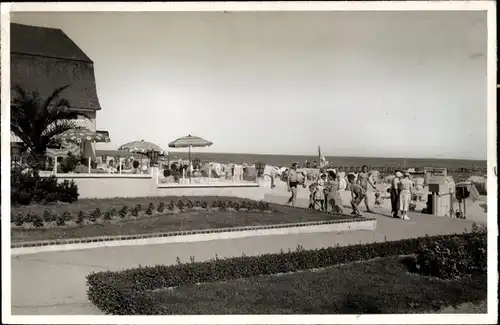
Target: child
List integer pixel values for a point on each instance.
(319, 196)
(333, 193)
(358, 195)
(312, 194)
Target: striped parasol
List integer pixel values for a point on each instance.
(190, 141)
(142, 147)
(80, 135)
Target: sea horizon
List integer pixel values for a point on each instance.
(284, 160)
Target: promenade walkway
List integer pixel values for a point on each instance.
(53, 283)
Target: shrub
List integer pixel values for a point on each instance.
(96, 214)
(171, 206)
(92, 217)
(245, 205)
(80, 217)
(37, 221)
(197, 204)
(29, 187)
(66, 216)
(222, 205)
(161, 207)
(47, 215)
(15, 217)
(455, 258)
(107, 216)
(149, 210)
(19, 220)
(68, 191)
(123, 211)
(60, 221)
(179, 204)
(204, 204)
(125, 292)
(189, 204)
(29, 217)
(135, 211)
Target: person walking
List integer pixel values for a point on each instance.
(363, 181)
(405, 185)
(358, 195)
(394, 192)
(293, 182)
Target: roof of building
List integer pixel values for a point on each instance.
(46, 42)
(44, 59)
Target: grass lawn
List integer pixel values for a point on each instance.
(159, 222)
(375, 286)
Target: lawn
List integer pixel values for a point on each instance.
(381, 285)
(167, 221)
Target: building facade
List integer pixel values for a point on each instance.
(44, 59)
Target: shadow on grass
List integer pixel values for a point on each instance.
(359, 303)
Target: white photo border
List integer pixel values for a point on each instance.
(488, 6)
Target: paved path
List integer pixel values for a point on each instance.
(53, 283)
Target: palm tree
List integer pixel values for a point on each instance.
(36, 121)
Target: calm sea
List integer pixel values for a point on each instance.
(285, 160)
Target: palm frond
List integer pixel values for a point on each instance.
(53, 97)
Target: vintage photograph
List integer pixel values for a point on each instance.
(248, 162)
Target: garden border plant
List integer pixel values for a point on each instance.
(126, 292)
(30, 220)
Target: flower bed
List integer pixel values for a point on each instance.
(133, 291)
(142, 216)
(50, 219)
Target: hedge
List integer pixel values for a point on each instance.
(126, 292)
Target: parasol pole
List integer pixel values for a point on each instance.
(189, 166)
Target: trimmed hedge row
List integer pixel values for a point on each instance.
(456, 259)
(126, 292)
(60, 219)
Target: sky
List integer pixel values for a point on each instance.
(382, 84)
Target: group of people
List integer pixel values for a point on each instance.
(325, 191)
(401, 193)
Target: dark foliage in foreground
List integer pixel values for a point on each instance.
(377, 286)
(27, 188)
(128, 292)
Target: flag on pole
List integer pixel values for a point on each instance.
(322, 159)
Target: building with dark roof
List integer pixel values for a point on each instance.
(44, 59)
